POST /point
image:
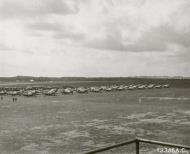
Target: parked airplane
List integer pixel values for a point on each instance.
(131, 87)
(82, 90)
(2, 92)
(158, 86)
(108, 89)
(103, 87)
(13, 93)
(141, 87)
(150, 86)
(29, 93)
(51, 92)
(67, 91)
(95, 89)
(114, 87)
(120, 88)
(165, 86)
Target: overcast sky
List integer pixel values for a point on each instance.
(95, 37)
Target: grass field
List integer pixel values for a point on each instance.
(82, 122)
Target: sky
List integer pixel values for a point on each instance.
(95, 38)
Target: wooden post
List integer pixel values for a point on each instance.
(137, 146)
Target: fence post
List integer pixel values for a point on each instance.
(137, 146)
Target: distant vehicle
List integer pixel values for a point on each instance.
(67, 91)
(51, 92)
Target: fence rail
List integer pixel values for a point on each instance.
(137, 142)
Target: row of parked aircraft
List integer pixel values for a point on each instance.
(32, 91)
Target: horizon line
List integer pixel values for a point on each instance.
(140, 76)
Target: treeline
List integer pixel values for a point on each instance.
(45, 79)
(83, 81)
(38, 79)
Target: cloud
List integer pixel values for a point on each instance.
(35, 8)
(159, 38)
(4, 47)
(113, 25)
(112, 41)
(46, 27)
(94, 37)
(155, 39)
(180, 55)
(70, 35)
(141, 29)
(57, 30)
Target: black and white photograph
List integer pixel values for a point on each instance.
(94, 76)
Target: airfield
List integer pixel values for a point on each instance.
(81, 122)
